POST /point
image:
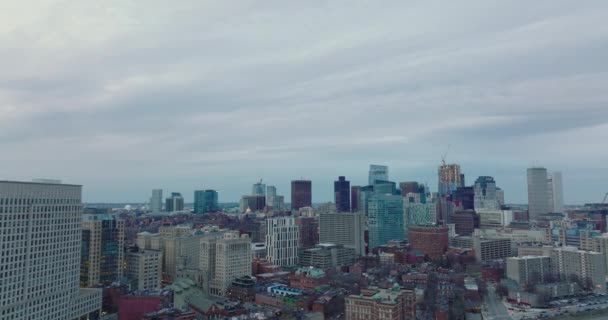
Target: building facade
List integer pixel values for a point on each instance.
(385, 219)
(102, 254)
(205, 201)
(282, 240)
(40, 233)
(346, 229)
(449, 178)
(382, 304)
(301, 194)
(377, 173)
(585, 265)
(488, 249)
(144, 269)
(342, 194)
(529, 269)
(485, 194)
(156, 201)
(432, 240)
(538, 193)
(174, 203)
(327, 255)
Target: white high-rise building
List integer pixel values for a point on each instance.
(377, 172)
(40, 236)
(538, 195)
(156, 201)
(586, 265)
(282, 238)
(555, 192)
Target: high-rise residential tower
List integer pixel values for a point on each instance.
(156, 201)
(40, 233)
(205, 201)
(174, 203)
(102, 254)
(377, 172)
(282, 240)
(450, 178)
(342, 194)
(538, 193)
(301, 194)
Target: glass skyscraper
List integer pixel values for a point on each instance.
(384, 219)
(205, 201)
(377, 172)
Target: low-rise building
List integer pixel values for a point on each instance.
(327, 255)
(376, 304)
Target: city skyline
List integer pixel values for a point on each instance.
(223, 90)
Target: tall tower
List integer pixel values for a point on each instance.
(556, 195)
(258, 189)
(156, 201)
(301, 194)
(355, 194)
(282, 239)
(205, 201)
(102, 255)
(40, 231)
(342, 194)
(449, 178)
(385, 219)
(175, 203)
(377, 172)
(485, 194)
(538, 193)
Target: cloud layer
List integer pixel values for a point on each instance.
(124, 96)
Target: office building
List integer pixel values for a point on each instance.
(449, 179)
(271, 193)
(40, 233)
(224, 258)
(464, 197)
(416, 213)
(555, 192)
(485, 194)
(431, 240)
(538, 193)
(308, 228)
(384, 219)
(278, 204)
(282, 239)
(601, 243)
(489, 249)
(342, 194)
(156, 201)
(301, 194)
(379, 304)
(567, 262)
(174, 203)
(258, 189)
(355, 194)
(327, 255)
(180, 252)
(102, 251)
(409, 187)
(144, 269)
(377, 172)
(529, 269)
(494, 218)
(346, 229)
(465, 222)
(205, 201)
(252, 203)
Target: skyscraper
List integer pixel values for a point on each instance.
(224, 258)
(538, 193)
(271, 193)
(282, 240)
(205, 201)
(355, 194)
(449, 178)
(347, 229)
(485, 194)
(144, 269)
(40, 230)
(301, 194)
(409, 187)
(258, 189)
(156, 201)
(377, 172)
(102, 254)
(174, 203)
(342, 194)
(556, 194)
(384, 219)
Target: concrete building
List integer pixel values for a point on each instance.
(271, 193)
(528, 269)
(40, 234)
(174, 203)
(355, 194)
(144, 269)
(431, 240)
(205, 201)
(586, 265)
(224, 257)
(308, 229)
(465, 222)
(347, 229)
(385, 219)
(342, 194)
(102, 254)
(301, 194)
(382, 304)
(282, 240)
(488, 249)
(538, 193)
(327, 255)
(377, 172)
(601, 244)
(254, 203)
(492, 219)
(556, 192)
(156, 201)
(258, 250)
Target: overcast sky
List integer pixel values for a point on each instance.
(126, 96)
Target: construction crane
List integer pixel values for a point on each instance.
(445, 155)
(605, 197)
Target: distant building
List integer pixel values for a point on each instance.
(156, 201)
(538, 193)
(384, 219)
(342, 194)
(205, 201)
(174, 203)
(488, 249)
(555, 192)
(301, 194)
(327, 255)
(258, 189)
(282, 240)
(464, 197)
(144, 269)
(409, 187)
(379, 304)
(485, 194)
(224, 258)
(465, 222)
(377, 172)
(347, 229)
(528, 269)
(308, 228)
(449, 178)
(492, 219)
(254, 203)
(431, 240)
(355, 194)
(271, 193)
(416, 213)
(585, 265)
(102, 254)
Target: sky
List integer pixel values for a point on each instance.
(126, 96)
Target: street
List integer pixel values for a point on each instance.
(493, 308)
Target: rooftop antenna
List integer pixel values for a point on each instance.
(444, 156)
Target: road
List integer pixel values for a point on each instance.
(493, 308)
